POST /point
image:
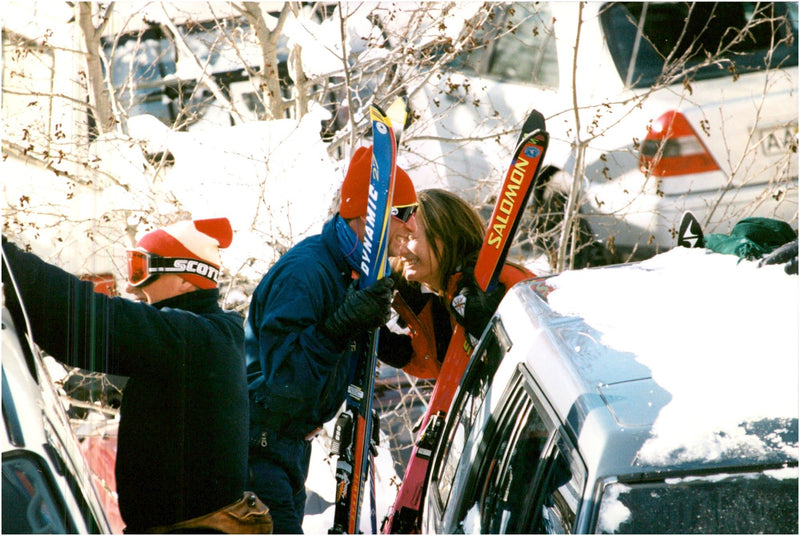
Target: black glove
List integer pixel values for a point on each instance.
(394, 349)
(360, 311)
(472, 307)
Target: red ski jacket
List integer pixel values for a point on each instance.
(430, 325)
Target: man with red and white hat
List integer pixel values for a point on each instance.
(183, 433)
(185, 253)
(300, 337)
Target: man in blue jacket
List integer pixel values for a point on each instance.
(183, 441)
(300, 338)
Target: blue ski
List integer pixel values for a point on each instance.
(354, 430)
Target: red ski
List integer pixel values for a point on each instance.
(520, 181)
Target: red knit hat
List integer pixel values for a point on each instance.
(356, 185)
(200, 240)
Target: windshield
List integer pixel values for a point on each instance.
(653, 42)
(749, 503)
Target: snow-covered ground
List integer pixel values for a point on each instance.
(321, 487)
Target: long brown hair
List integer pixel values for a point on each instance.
(445, 217)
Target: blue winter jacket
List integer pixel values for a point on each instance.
(183, 432)
(297, 376)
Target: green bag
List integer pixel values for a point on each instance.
(751, 238)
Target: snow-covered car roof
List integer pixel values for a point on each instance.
(687, 359)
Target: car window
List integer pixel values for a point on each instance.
(144, 68)
(516, 44)
(31, 504)
(497, 499)
(751, 502)
(654, 42)
(476, 382)
(558, 494)
(139, 65)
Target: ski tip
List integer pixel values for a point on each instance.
(534, 121)
(374, 108)
(397, 112)
(536, 137)
(690, 232)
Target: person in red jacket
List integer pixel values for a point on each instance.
(437, 286)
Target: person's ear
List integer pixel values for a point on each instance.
(186, 286)
(358, 225)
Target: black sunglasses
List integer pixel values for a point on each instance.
(404, 213)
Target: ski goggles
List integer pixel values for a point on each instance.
(404, 213)
(145, 267)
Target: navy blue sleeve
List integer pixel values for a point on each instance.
(290, 361)
(86, 329)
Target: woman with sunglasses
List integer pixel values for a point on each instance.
(182, 446)
(433, 267)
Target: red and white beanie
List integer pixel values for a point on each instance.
(199, 240)
(355, 186)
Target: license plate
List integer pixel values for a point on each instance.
(780, 140)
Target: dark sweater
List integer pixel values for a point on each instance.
(182, 449)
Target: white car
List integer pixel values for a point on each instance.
(47, 485)
(670, 118)
(641, 398)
